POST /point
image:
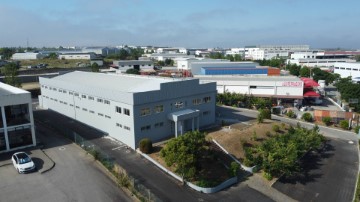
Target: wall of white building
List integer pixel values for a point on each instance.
(27, 56)
(347, 69)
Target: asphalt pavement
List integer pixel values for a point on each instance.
(159, 183)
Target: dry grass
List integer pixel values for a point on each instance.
(238, 135)
(52, 63)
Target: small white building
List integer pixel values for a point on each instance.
(130, 108)
(319, 62)
(124, 65)
(347, 69)
(78, 56)
(268, 52)
(173, 56)
(27, 56)
(16, 119)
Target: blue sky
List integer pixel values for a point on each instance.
(187, 23)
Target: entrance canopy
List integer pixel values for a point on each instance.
(183, 115)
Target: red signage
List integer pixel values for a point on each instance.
(292, 83)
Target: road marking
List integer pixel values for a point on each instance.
(62, 148)
(119, 147)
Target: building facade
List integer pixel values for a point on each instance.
(347, 69)
(124, 65)
(27, 56)
(77, 56)
(130, 108)
(16, 119)
(281, 87)
(268, 52)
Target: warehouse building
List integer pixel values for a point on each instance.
(27, 56)
(77, 56)
(281, 88)
(130, 108)
(16, 119)
(347, 69)
(124, 65)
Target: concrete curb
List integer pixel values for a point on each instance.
(52, 163)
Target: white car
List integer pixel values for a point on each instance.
(23, 162)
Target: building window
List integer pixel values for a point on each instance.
(54, 89)
(118, 125)
(145, 128)
(145, 112)
(159, 108)
(207, 99)
(158, 125)
(118, 109)
(83, 96)
(90, 98)
(71, 93)
(126, 128)
(64, 91)
(77, 107)
(106, 116)
(84, 109)
(196, 101)
(107, 102)
(71, 105)
(127, 112)
(100, 114)
(60, 90)
(91, 111)
(179, 104)
(76, 94)
(100, 100)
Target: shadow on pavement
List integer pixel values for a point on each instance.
(39, 163)
(309, 163)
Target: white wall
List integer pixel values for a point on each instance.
(347, 69)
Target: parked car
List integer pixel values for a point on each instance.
(23, 162)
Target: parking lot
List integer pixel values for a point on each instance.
(75, 176)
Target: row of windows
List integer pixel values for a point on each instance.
(77, 95)
(148, 127)
(126, 111)
(353, 69)
(134, 65)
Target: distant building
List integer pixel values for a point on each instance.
(16, 119)
(104, 51)
(78, 56)
(347, 69)
(124, 65)
(130, 108)
(27, 56)
(268, 52)
(173, 56)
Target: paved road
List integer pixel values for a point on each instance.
(161, 184)
(329, 175)
(76, 177)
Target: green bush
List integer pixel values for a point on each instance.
(326, 120)
(145, 146)
(260, 118)
(266, 113)
(291, 114)
(268, 176)
(344, 124)
(357, 128)
(234, 168)
(307, 117)
(276, 128)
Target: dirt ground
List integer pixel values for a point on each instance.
(233, 137)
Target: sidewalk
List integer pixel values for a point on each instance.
(42, 161)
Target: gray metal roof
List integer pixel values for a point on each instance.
(115, 82)
(6, 89)
(247, 78)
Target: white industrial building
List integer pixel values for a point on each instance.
(77, 56)
(130, 108)
(268, 52)
(282, 87)
(124, 65)
(104, 51)
(321, 58)
(347, 69)
(16, 119)
(27, 56)
(172, 56)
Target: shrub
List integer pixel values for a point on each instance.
(268, 176)
(268, 133)
(326, 120)
(357, 128)
(260, 118)
(344, 124)
(266, 113)
(283, 126)
(145, 145)
(276, 128)
(291, 114)
(95, 153)
(234, 168)
(307, 117)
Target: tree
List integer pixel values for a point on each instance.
(294, 69)
(52, 56)
(305, 72)
(7, 52)
(132, 71)
(169, 62)
(145, 145)
(307, 117)
(95, 67)
(183, 153)
(10, 72)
